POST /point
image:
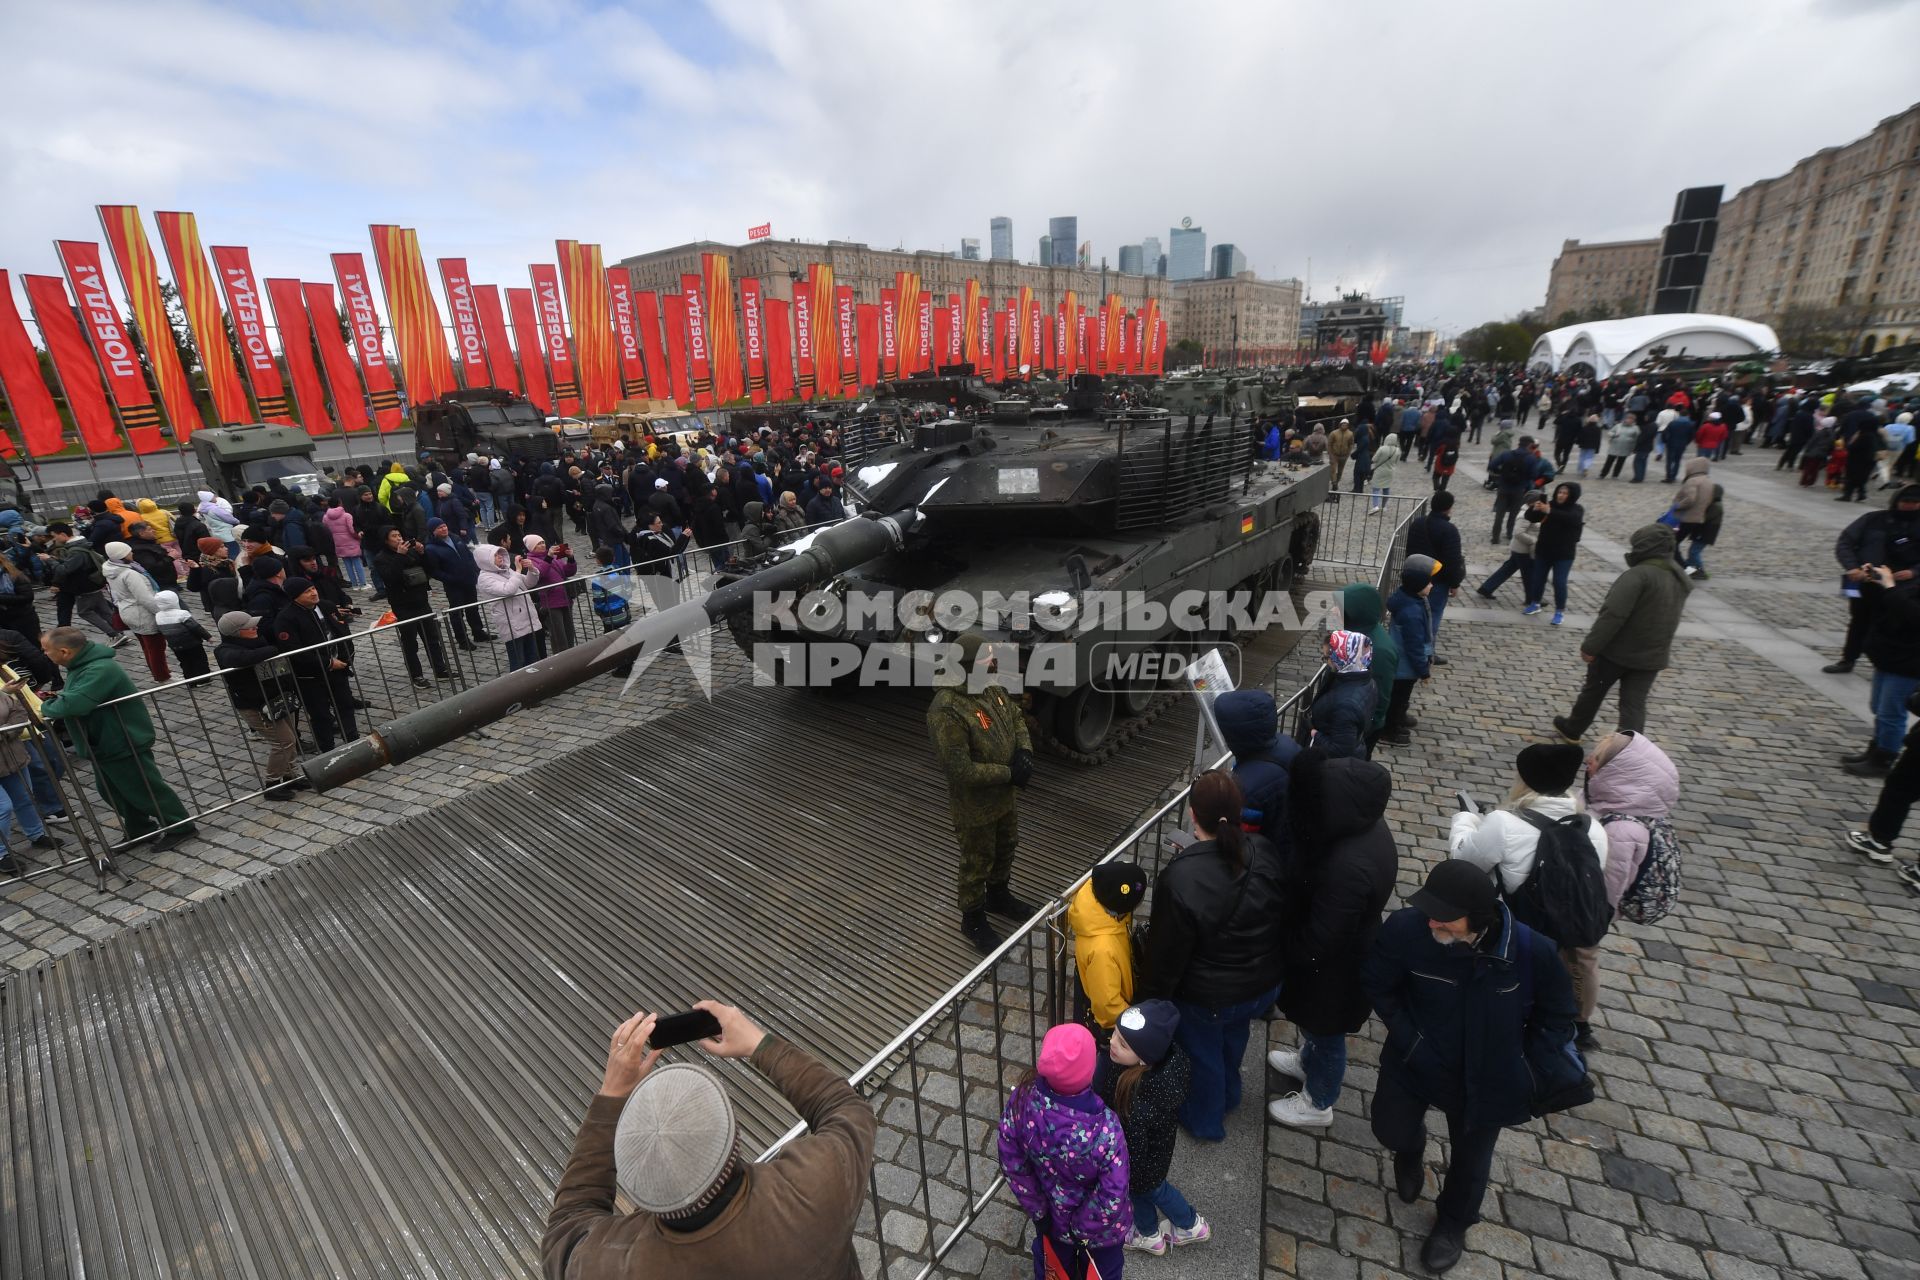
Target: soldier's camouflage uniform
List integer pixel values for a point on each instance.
(974, 738)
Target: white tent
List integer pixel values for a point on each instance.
(1610, 345)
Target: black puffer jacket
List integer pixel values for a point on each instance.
(1342, 715)
(1560, 531)
(1214, 939)
(1151, 1123)
(1339, 874)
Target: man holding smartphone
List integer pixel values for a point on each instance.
(667, 1139)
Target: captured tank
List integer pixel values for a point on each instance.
(1084, 522)
(1098, 526)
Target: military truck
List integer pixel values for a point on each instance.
(236, 458)
(482, 420)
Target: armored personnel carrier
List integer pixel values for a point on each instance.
(1094, 524)
(482, 420)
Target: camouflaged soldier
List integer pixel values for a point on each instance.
(981, 741)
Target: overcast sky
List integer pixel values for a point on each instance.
(1436, 151)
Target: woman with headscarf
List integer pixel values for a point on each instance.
(1342, 715)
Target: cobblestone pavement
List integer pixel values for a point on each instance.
(1760, 1048)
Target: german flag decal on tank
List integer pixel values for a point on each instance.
(1246, 524)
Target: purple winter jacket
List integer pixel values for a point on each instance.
(1066, 1160)
(555, 570)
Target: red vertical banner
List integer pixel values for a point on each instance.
(1061, 346)
(984, 345)
(1112, 344)
(723, 335)
(923, 335)
(1036, 337)
(296, 348)
(553, 338)
(906, 313)
(970, 315)
(889, 332)
(693, 298)
(417, 337)
(583, 276)
(141, 276)
(1149, 328)
(674, 307)
(803, 337)
(999, 354)
(113, 346)
(646, 314)
(1010, 340)
(626, 333)
(942, 333)
(1100, 341)
(234, 268)
(755, 336)
(33, 408)
(826, 334)
(845, 318)
(1023, 353)
(200, 299)
(870, 343)
(469, 343)
(1046, 342)
(779, 352)
(349, 402)
(531, 342)
(73, 362)
(956, 329)
(493, 327)
(356, 295)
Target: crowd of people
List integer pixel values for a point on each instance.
(275, 591)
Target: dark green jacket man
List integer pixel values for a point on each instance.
(94, 679)
(1642, 609)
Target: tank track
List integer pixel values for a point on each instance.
(1125, 730)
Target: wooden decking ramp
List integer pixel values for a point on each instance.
(372, 1062)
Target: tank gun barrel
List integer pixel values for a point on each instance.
(832, 551)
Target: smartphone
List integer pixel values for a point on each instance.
(684, 1028)
(1467, 803)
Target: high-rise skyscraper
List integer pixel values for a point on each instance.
(1046, 251)
(1131, 263)
(1065, 234)
(1186, 253)
(1150, 255)
(1002, 237)
(1228, 262)
(970, 250)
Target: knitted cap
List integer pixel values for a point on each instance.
(1119, 886)
(675, 1138)
(1067, 1058)
(1148, 1029)
(118, 551)
(296, 587)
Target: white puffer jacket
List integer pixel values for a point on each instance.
(1505, 841)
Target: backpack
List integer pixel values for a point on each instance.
(81, 571)
(1513, 469)
(1657, 883)
(1566, 896)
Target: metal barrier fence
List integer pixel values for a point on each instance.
(945, 1078)
(207, 755)
(1352, 537)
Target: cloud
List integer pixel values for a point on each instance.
(1442, 155)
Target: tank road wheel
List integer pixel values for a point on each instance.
(1135, 698)
(1283, 575)
(1083, 718)
(1306, 540)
